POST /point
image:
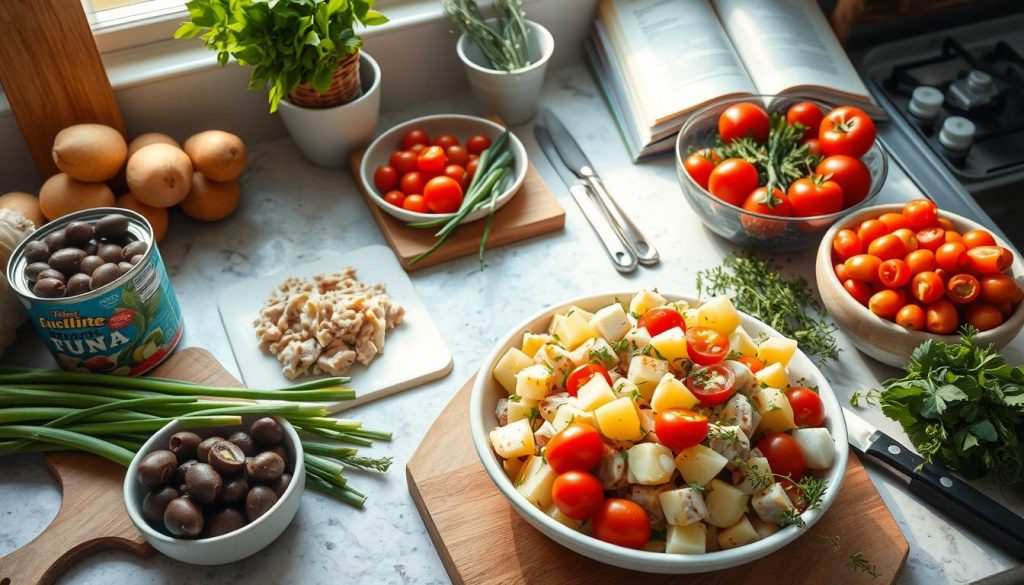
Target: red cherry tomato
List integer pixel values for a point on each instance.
(577, 494)
(808, 115)
(870, 230)
(445, 141)
(413, 183)
(963, 289)
(581, 375)
(920, 261)
(863, 267)
(894, 221)
(859, 290)
(622, 522)
(886, 303)
(808, 410)
(846, 130)
(385, 178)
(887, 247)
(432, 161)
(700, 164)
(680, 429)
(815, 195)
(952, 257)
(457, 155)
(477, 144)
(988, 259)
(847, 244)
(759, 202)
(459, 174)
(927, 287)
(706, 346)
(975, 238)
(732, 180)
(414, 137)
(742, 120)
(921, 213)
(712, 385)
(983, 316)
(752, 362)
(785, 457)
(1000, 288)
(941, 317)
(471, 167)
(415, 203)
(894, 273)
(931, 238)
(404, 162)
(911, 317)
(813, 145)
(442, 195)
(908, 237)
(851, 174)
(395, 198)
(417, 148)
(578, 447)
(660, 320)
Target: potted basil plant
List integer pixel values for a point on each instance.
(307, 53)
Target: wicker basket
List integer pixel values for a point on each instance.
(345, 87)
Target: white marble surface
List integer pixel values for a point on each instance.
(294, 212)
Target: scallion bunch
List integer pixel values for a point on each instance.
(504, 43)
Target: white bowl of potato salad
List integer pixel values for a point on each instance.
(650, 432)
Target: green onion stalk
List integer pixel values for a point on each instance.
(113, 416)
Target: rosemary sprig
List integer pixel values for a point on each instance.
(505, 43)
(780, 160)
(858, 562)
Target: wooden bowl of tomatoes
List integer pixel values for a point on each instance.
(822, 162)
(893, 276)
(419, 170)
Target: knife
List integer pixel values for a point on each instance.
(939, 487)
(622, 257)
(571, 154)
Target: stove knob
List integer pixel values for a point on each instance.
(979, 82)
(957, 133)
(926, 102)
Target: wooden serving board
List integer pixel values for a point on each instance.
(450, 487)
(89, 483)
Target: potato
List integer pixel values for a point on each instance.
(619, 421)
(532, 342)
(691, 318)
(738, 534)
(757, 473)
(611, 322)
(763, 529)
(573, 330)
(534, 481)
(534, 382)
(683, 506)
(62, 195)
(772, 503)
(776, 350)
(774, 375)
(569, 413)
(649, 464)
(520, 408)
(574, 310)
(219, 155)
(89, 152)
(699, 464)
(646, 372)
(644, 301)
(25, 204)
(558, 361)
(209, 200)
(741, 343)
(776, 412)
(143, 140)
(637, 339)
(561, 518)
(719, 314)
(689, 539)
(817, 445)
(513, 440)
(512, 467)
(595, 393)
(510, 364)
(726, 504)
(159, 175)
(671, 345)
(671, 393)
(156, 216)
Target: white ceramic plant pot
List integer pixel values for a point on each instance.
(327, 135)
(513, 95)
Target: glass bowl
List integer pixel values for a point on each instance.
(743, 227)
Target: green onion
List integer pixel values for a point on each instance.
(69, 439)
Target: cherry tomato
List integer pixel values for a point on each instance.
(706, 346)
(863, 267)
(1000, 288)
(871, 230)
(622, 522)
(759, 202)
(887, 247)
(911, 317)
(808, 411)
(894, 273)
(660, 320)
(752, 362)
(445, 141)
(415, 203)
(477, 144)
(841, 273)
(680, 429)
(742, 120)
(785, 457)
(952, 236)
(931, 238)
(920, 261)
(975, 238)
(395, 198)
(808, 115)
(577, 494)
(813, 145)
(988, 259)
(886, 303)
(846, 130)
(894, 221)
(712, 385)
(927, 287)
(442, 194)
(581, 375)
(946, 224)
(459, 174)
(859, 290)
(851, 174)
(921, 213)
(963, 289)
(404, 162)
(983, 316)
(471, 168)
(385, 178)
(700, 164)
(908, 237)
(815, 195)
(941, 317)
(457, 155)
(846, 244)
(414, 137)
(951, 257)
(413, 183)
(417, 148)
(578, 447)
(432, 161)
(732, 180)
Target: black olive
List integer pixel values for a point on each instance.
(90, 264)
(259, 500)
(55, 240)
(78, 284)
(125, 267)
(112, 226)
(265, 467)
(179, 473)
(32, 270)
(204, 483)
(157, 468)
(234, 490)
(136, 259)
(281, 484)
(226, 457)
(37, 251)
(67, 260)
(224, 521)
(280, 450)
(91, 247)
(244, 442)
(104, 275)
(109, 252)
(49, 288)
(203, 450)
(266, 431)
(78, 233)
(51, 273)
(135, 248)
(184, 445)
(155, 503)
(182, 518)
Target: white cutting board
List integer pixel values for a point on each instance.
(414, 351)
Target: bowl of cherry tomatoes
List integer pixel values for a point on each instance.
(893, 276)
(822, 162)
(420, 170)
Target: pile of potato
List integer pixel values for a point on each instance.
(201, 178)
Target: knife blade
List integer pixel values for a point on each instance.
(621, 256)
(939, 487)
(573, 157)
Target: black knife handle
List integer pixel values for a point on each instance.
(953, 496)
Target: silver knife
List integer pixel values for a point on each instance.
(573, 157)
(622, 257)
(939, 487)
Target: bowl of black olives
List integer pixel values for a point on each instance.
(216, 496)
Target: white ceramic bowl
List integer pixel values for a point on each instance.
(486, 393)
(459, 126)
(234, 546)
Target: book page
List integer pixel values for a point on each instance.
(674, 52)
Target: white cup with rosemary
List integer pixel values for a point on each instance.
(505, 57)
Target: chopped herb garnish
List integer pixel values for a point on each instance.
(869, 397)
(515, 398)
(753, 474)
(858, 562)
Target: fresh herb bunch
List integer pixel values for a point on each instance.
(780, 160)
(287, 42)
(962, 406)
(504, 43)
(786, 304)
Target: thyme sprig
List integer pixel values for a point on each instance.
(505, 43)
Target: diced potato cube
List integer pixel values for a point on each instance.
(619, 421)
(818, 447)
(549, 406)
(534, 481)
(558, 361)
(513, 440)
(623, 387)
(672, 393)
(773, 375)
(738, 534)
(512, 467)
(670, 345)
(510, 364)
(544, 434)
(573, 330)
(561, 518)
(555, 323)
(699, 464)
(763, 529)
(581, 355)
(683, 506)
(603, 353)
(726, 504)
(637, 340)
(587, 315)
(772, 503)
(644, 301)
(532, 342)
(690, 539)
(611, 322)
(776, 412)
(691, 318)
(646, 371)
(534, 382)
(649, 464)
(570, 413)
(776, 350)
(719, 314)
(739, 342)
(596, 392)
(754, 476)
(521, 408)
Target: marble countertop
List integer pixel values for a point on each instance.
(293, 212)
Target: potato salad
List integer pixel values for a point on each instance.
(655, 425)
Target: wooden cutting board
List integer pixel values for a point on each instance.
(481, 540)
(92, 516)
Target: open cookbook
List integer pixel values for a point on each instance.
(658, 61)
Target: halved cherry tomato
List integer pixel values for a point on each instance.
(413, 183)
(963, 289)
(988, 259)
(927, 287)
(581, 375)
(577, 494)
(732, 180)
(920, 261)
(459, 174)
(457, 155)
(975, 238)
(404, 161)
(863, 267)
(431, 162)
(578, 447)
(660, 320)
(911, 317)
(951, 257)
(442, 194)
(983, 316)
(908, 237)
(706, 346)
(894, 273)
(785, 457)
(887, 247)
(395, 198)
(622, 522)
(680, 429)
(871, 230)
(477, 144)
(921, 213)
(931, 238)
(846, 130)
(841, 273)
(859, 290)
(847, 243)
(712, 385)
(415, 203)
(886, 303)
(742, 120)
(1000, 288)
(851, 174)
(385, 178)
(414, 137)
(754, 363)
(808, 410)
(445, 140)
(894, 221)
(700, 164)
(941, 317)
(815, 195)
